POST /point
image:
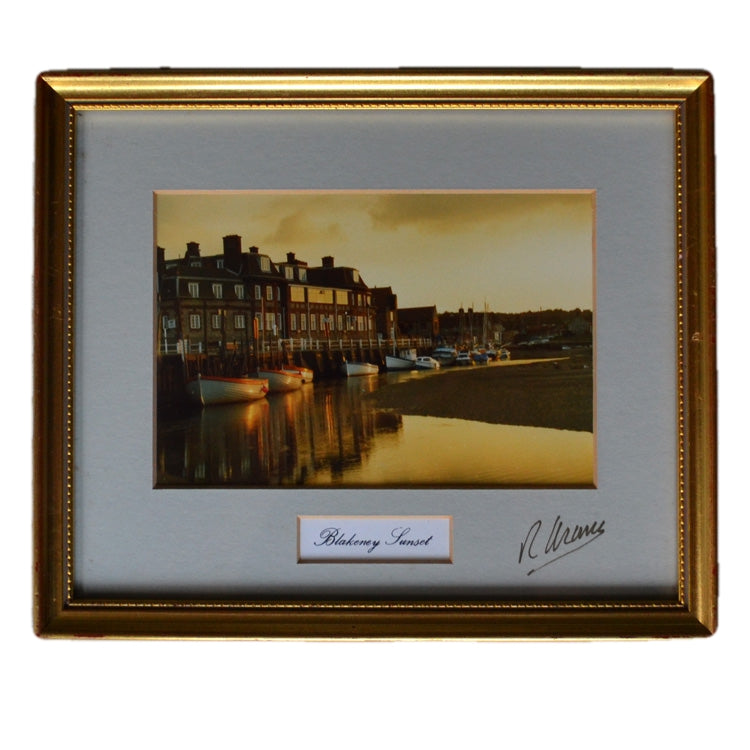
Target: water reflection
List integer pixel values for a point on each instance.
(328, 435)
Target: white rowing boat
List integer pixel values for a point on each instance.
(206, 391)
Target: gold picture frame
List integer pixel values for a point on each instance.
(68, 604)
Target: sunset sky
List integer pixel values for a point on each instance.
(515, 251)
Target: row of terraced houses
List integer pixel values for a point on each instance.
(244, 301)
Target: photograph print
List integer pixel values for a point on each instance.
(401, 339)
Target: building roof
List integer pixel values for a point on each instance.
(417, 313)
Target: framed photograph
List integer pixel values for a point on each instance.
(375, 354)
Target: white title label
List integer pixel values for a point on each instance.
(384, 539)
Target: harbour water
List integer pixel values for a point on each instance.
(330, 434)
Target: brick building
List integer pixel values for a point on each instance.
(245, 301)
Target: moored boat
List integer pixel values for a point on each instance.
(398, 363)
(306, 373)
(281, 381)
(206, 391)
(427, 363)
(446, 355)
(352, 369)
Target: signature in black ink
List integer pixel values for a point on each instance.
(561, 541)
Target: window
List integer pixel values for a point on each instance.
(195, 322)
(293, 322)
(269, 293)
(303, 322)
(259, 321)
(340, 322)
(270, 325)
(355, 275)
(303, 274)
(193, 288)
(239, 291)
(313, 322)
(265, 264)
(220, 262)
(289, 272)
(218, 290)
(258, 292)
(239, 322)
(215, 321)
(278, 294)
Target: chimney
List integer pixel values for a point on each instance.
(290, 258)
(328, 261)
(233, 251)
(193, 250)
(160, 255)
(254, 250)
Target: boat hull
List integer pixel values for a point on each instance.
(354, 369)
(307, 375)
(398, 363)
(281, 381)
(208, 391)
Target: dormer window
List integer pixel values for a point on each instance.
(193, 289)
(220, 262)
(265, 264)
(289, 272)
(355, 275)
(303, 274)
(218, 290)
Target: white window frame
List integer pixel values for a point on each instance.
(194, 289)
(195, 321)
(218, 290)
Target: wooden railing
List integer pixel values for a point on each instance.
(299, 344)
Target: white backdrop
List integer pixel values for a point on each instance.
(119, 694)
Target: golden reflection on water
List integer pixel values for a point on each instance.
(328, 435)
